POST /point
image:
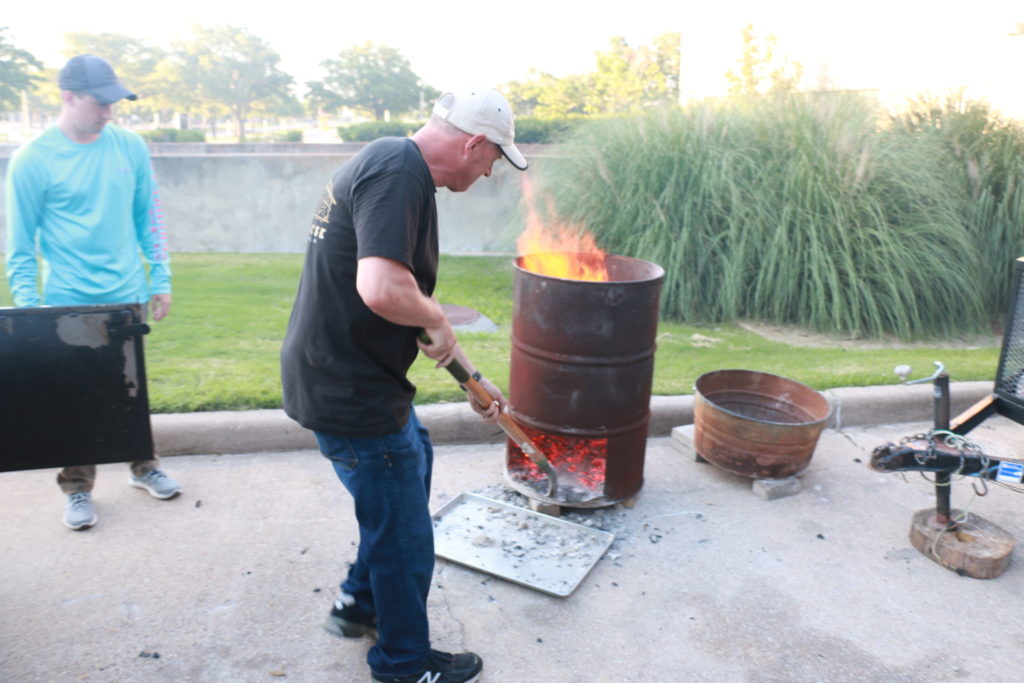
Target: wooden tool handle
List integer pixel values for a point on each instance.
(484, 398)
(505, 421)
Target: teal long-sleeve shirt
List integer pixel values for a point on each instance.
(90, 210)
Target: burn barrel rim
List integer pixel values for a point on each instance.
(656, 272)
(807, 391)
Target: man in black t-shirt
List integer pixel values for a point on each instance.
(365, 293)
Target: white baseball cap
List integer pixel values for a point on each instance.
(483, 111)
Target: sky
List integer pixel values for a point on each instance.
(896, 47)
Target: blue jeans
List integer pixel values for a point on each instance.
(389, 479)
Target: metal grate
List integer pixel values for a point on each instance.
(1009, 385)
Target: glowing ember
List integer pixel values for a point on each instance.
(580, 463)
(558, 250)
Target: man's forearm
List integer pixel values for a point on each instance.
(22, 277)
(389, 290)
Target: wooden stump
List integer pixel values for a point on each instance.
(975, 547)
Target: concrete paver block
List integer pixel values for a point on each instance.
(683, 441)
(551, 509)
(773, 489)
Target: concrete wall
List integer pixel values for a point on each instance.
(260, 197)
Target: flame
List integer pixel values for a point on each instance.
(558, 250)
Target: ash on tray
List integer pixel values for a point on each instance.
(614, 519)
(546, 553)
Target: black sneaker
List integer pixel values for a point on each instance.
(347, 620)
(442, 668)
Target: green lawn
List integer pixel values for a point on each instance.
(218, 350)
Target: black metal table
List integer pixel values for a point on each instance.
(73, 386)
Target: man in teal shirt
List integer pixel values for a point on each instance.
(83, 194)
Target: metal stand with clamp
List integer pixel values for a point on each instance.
(959, 540)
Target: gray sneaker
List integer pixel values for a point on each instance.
(78, 511)
(158, 484)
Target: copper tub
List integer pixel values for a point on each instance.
(756, 424)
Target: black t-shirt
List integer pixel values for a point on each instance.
(343, 367)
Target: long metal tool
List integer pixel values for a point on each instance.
(505, 421)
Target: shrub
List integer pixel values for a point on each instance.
(987, 156)
(800, 209)
(544, 131)
(371, 130)
(528, 130)
(173, 135)
(286, 136)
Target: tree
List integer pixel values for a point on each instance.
(18, 72)
(227, 69)
(629, 78)
(44, 99)
(626, 79)
(136, 63)
(373, 78)
(759, 71)
(132, 59)
(546, 96)
(666, 55)
(320, 99)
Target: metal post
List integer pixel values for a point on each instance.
(942, 480)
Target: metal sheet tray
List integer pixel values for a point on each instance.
(519, 545)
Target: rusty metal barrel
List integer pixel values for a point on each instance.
(582, 365)
(757, 424)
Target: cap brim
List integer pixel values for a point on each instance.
(514, 156)
(112, 93)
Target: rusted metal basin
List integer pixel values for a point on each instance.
(757, 424)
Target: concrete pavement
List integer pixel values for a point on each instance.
(704, 582)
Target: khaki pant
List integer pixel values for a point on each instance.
(82, 477)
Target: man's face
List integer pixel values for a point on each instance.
(87, 115)
(478, 161)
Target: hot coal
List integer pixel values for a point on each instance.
(581, 465)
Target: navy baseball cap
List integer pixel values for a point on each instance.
(93, 75)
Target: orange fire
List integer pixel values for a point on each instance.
(558, 250)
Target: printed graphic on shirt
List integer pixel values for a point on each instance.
(158, 228)
(320, 217)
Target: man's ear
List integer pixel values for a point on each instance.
(66, 96)
(474, 142)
